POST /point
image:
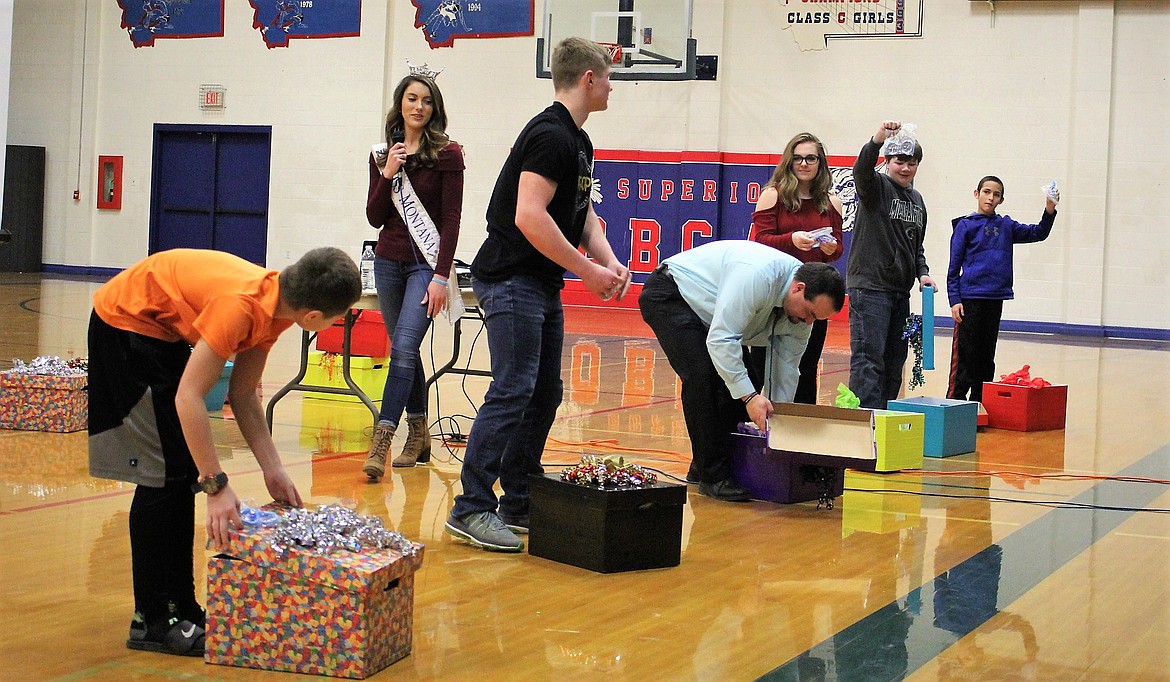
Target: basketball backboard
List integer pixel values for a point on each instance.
(653, 37)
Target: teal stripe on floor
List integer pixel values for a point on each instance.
(884, 646)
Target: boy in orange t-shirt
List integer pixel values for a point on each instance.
(159, 336)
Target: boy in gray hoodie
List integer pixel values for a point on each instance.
(886, 258)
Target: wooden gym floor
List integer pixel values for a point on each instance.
(1027, 559)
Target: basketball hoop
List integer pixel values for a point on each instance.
(614, 50)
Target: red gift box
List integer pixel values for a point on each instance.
(343, 614)
(1018, 407)
(42, 402)
(368, 338)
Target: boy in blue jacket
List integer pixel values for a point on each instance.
(979, 280)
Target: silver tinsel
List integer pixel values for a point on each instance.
(51, 365)
(335, 527)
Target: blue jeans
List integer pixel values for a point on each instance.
(526, 332)
(878, 353)
(400, 288)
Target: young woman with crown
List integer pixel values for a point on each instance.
(415, 201)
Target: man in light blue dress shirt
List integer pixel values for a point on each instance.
(704, 306)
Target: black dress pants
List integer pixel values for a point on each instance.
(710, 412)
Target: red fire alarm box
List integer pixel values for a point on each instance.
(109, 191)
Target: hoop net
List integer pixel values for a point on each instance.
(614, 50)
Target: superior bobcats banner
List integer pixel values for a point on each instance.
(656, 204)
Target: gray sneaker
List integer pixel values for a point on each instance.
(516, 524)
(485, 530)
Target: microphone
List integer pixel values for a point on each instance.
(397, 135)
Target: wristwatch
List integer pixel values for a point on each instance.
(211, 484)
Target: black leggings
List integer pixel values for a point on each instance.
(162, 538)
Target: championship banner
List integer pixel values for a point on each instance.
(653, 205)
(146, 20)
(443, 21)
(813, 22)
(281, 20)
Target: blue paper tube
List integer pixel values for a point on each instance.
(927, 327)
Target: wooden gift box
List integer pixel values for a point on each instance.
(1024, 408)
(951, 425)
(343, 614)
(43, 402)
(326, 370)
(777, 476)
(367, 337)
(869, 440)
(607, 530)
(879, 503)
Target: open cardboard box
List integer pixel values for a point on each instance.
(868, 440)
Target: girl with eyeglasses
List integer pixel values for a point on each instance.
(799, 214)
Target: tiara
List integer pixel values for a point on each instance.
(423, 70)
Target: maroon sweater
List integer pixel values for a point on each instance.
(774, 227)
(440, 188)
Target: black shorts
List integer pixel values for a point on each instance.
(134, 429)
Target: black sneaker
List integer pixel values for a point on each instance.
(137, 627)
(726, 490)
(170, 636)
(192, 613)
(516, 524)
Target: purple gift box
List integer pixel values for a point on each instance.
(778, 476)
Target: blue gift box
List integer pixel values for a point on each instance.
(950, 424)
(217, 396)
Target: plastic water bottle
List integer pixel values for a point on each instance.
(366, 267)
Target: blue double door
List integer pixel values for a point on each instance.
(209, 189)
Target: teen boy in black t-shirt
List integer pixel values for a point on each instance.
(539, 214)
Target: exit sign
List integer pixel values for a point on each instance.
(211, 97)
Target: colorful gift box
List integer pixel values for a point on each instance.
(777, 477)
(950, 424)
(325, 369)
(1025, 408)
(43, 402)
(343, 614)
(367, 337)
(607, 530)
(879, 503)
(870, 440)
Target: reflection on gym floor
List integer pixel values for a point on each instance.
(1026, 559)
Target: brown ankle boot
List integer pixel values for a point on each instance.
(375, 464)
(417, 449)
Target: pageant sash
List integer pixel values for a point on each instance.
(426, 237)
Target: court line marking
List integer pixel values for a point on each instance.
(888, 632)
